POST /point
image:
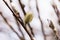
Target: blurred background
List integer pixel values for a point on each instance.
(45, 24)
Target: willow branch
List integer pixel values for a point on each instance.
(57, 12)
(19, 20)
(54, 30)
(22, 6)
(17, 14)
(23, 38)
(56, 9)
(9, 25)
(40, 21)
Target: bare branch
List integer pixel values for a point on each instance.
(54, 30)
(19, 20)
(57, 12)
(17, 14)
(22, 6)
(10, 25)
(40, 21)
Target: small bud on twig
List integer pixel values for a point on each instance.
(54, 30)
(51, 25)
(15, 10)
(28, 18)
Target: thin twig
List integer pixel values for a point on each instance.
(20, 29)
(10, 0)
(9, 25)
(57, 12)
(19, 20)
(56, 9)
(40, 21)
(17, 14)
(31, 29)
(22, 6)
(54, 30)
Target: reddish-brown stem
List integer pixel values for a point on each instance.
(23, 25)
(9, 25)
(40, 21)
(22, 6)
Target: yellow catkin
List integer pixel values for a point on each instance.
(28, 17)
